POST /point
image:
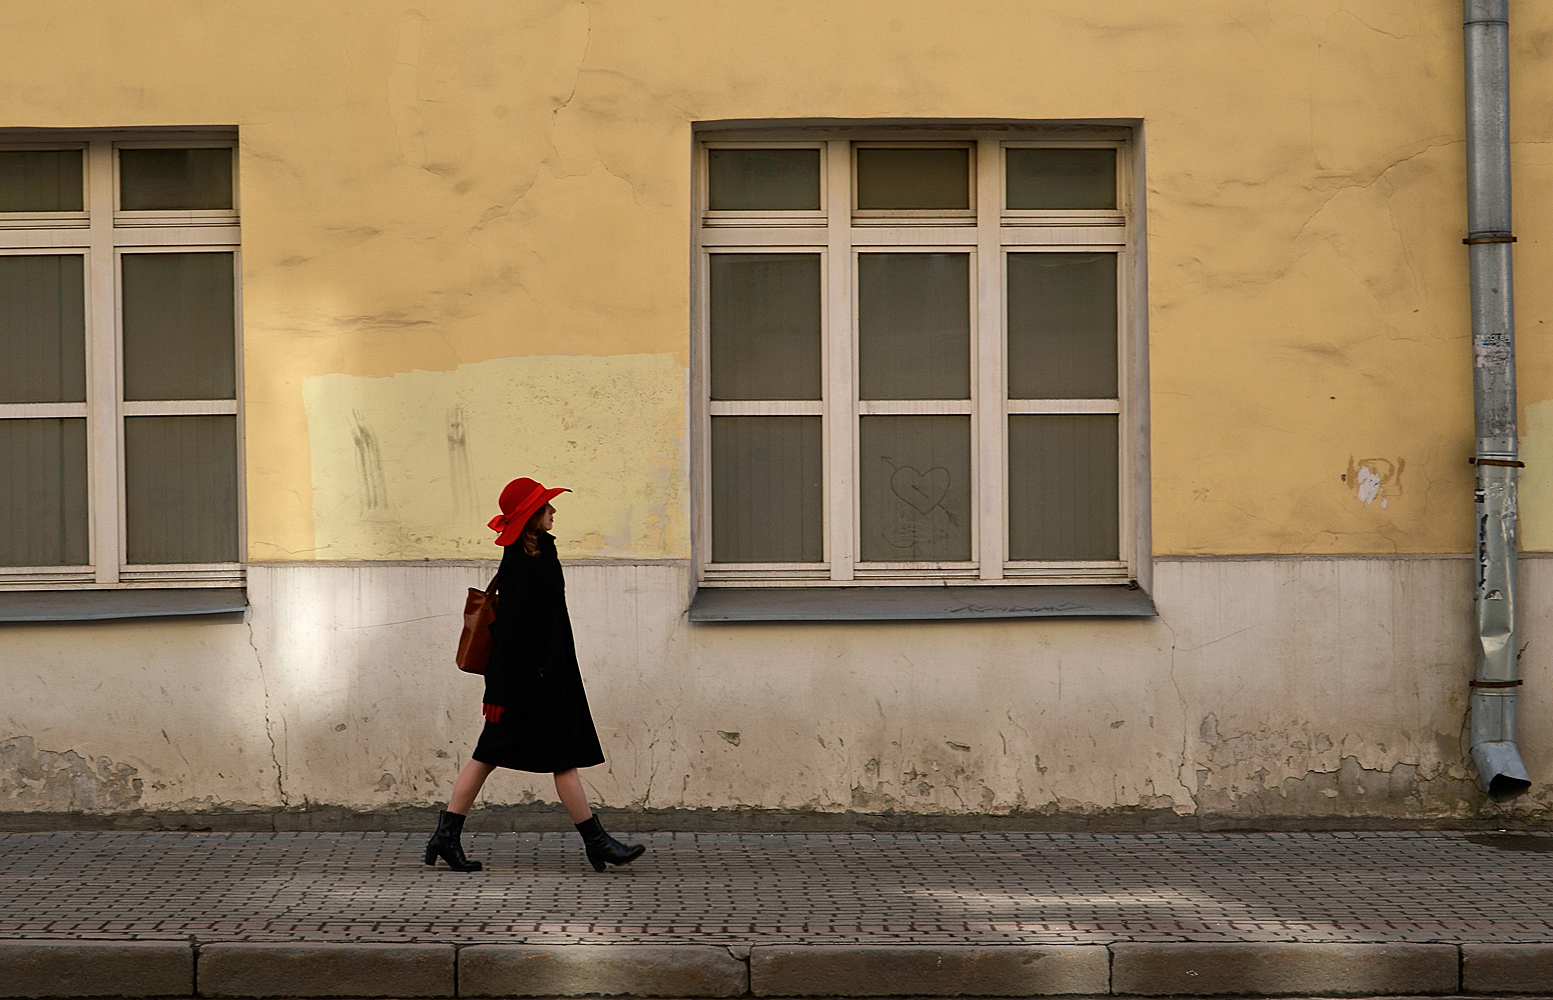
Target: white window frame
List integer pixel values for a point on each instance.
(988, 233)
(102, 234)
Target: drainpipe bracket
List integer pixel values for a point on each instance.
(1474, 240)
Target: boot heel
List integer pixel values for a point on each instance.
(596, 862)
(431, 856)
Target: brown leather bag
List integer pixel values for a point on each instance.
(474, 645)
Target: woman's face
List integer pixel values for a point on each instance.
(546, 517)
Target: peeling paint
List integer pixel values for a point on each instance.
(64, 781)
(1279, 772)
(1403, 790)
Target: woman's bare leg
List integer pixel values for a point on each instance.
(568, 785)
(468, 785)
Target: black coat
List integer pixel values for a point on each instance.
(543, 723)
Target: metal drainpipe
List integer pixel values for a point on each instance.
(1498, 760)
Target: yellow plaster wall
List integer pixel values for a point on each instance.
(432, 188)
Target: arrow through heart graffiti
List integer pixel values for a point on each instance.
(922, 490)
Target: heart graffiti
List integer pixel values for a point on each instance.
(922, 490)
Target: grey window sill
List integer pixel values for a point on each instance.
(835, 604)
(105, 605)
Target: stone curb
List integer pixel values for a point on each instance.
(648, 970)
(1284, 969)
(326, 970)
(1507, 968)
(947, 970)
(96, 968)
(77, 968)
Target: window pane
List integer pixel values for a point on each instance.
(915, 488)
(42, 329)
(765, 325)
(40, 180)
(179, 336)
(1061, 178)
(1062, 326)
(183, 179)
(767, 499)
(1062, 487)
(914, 325)
(913, 178)
(180, 489)
(43, 492)
(775, 180)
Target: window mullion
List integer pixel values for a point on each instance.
(102, 367)
(840, 391)
(988, 386)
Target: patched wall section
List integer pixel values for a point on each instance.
(409, 466)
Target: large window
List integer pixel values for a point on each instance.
(119, 417)
(913, 356)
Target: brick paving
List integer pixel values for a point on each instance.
(773, 889)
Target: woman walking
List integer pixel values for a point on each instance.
(536, 714)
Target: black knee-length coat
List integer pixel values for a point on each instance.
(536, 712)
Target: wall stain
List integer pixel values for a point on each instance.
(369, 467)
(461, 475)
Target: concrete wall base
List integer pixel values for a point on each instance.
(547, 818)
(1326, 691)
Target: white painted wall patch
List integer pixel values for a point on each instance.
(1374, 479)
(1369, 484)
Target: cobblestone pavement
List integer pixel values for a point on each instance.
(874, 889)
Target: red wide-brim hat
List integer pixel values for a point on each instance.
(519, 500)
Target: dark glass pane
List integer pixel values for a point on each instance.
(180, 489)
(915, 488)
(913, 178)
(765, 325)
(914, 325)
(43, 492)
(40, 180)
(42, 328)
(1062, 326)
(179, 326)
(174, 179)
(1063, 500)
(771, 180)
(1061, 178)
(767, 490)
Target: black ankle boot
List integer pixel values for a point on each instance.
(445, 844)
(602, 847)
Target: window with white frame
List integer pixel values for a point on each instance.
(120, 435)
(912, 357)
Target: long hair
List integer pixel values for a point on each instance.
(529, 539)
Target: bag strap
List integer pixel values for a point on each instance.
(492, 588)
